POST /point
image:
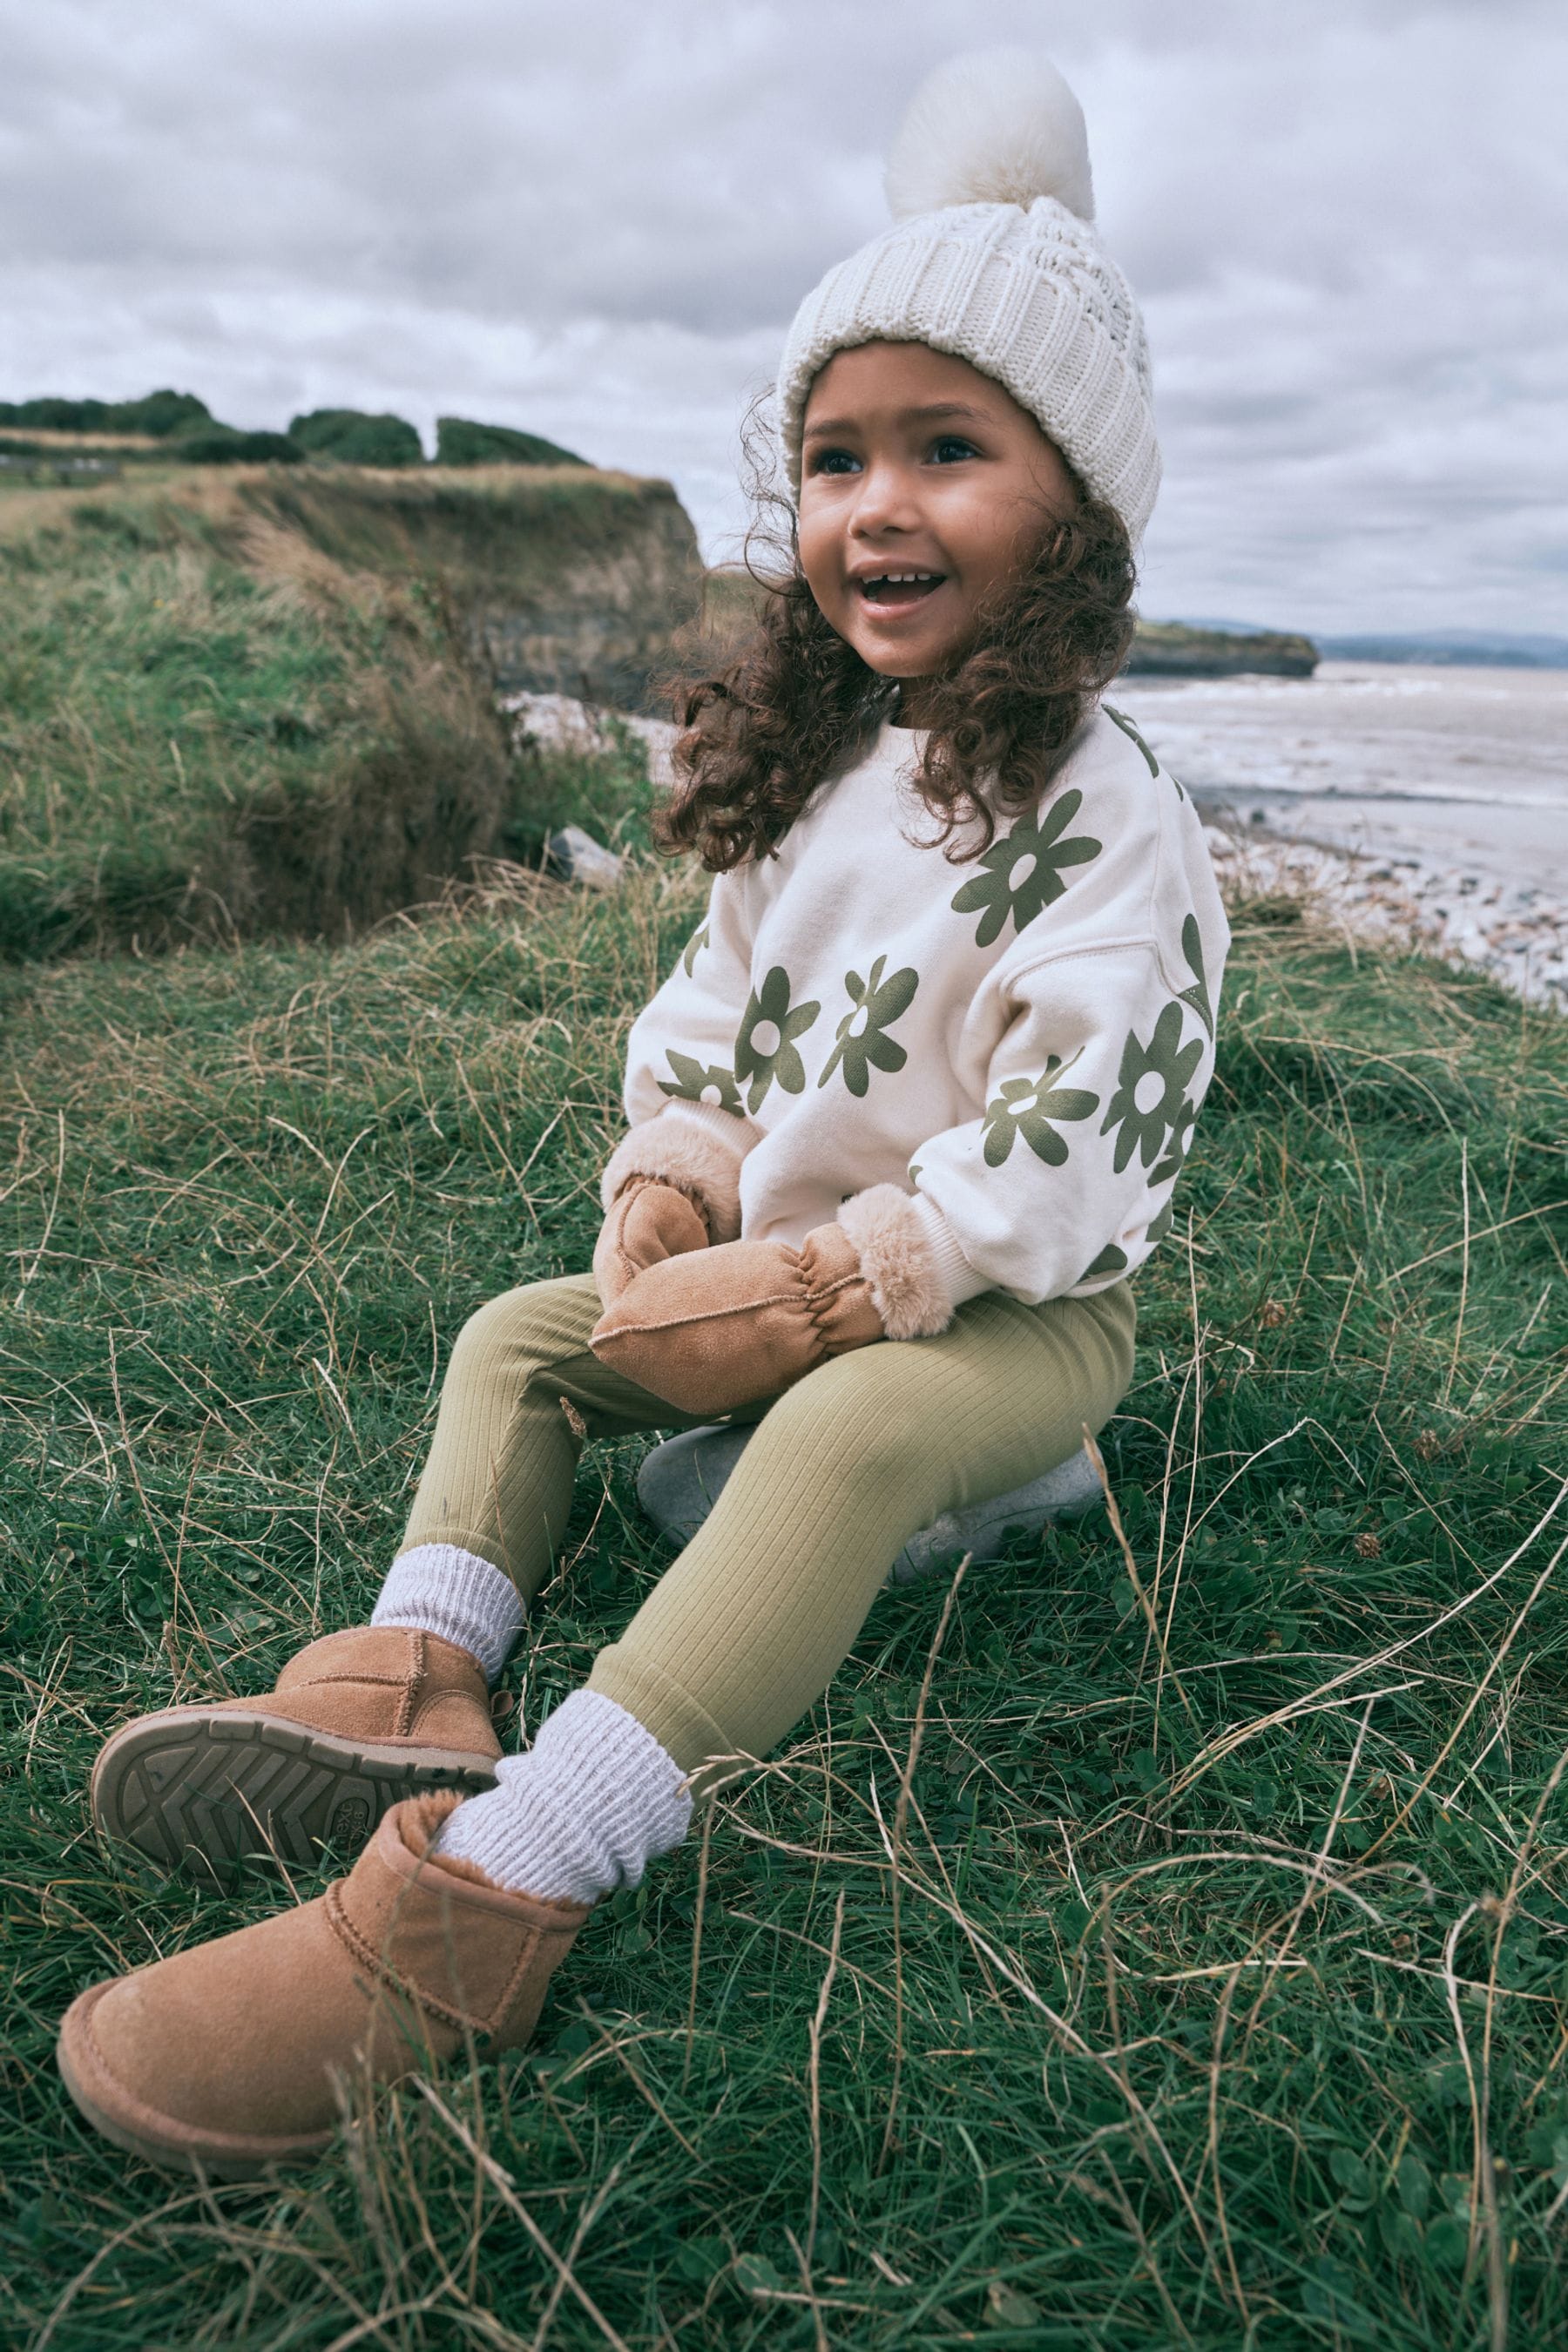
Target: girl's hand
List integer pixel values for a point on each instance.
(739, 1322)
(648, 1223)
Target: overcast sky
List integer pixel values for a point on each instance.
(1348, 225)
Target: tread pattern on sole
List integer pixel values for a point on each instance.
(209, 1794)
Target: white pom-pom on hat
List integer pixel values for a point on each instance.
(992, 127)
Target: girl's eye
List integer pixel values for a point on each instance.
(834, 461)
(952, 447)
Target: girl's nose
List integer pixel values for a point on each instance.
(885, 502)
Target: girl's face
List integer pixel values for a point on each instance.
(924, 490)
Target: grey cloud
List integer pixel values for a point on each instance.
(596, 218)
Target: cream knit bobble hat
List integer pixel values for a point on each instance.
(992, 256)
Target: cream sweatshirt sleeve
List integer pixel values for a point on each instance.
(684, 1109)
(1065, 1181)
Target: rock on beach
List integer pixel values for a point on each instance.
(1516, 933)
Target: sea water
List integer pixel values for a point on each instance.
(1463, 768)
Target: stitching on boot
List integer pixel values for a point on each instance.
(501, 2013)
(414, 1676)
(334, 1681)
(365, 1953)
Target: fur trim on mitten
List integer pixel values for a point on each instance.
(689, 1148)
(898, 1262)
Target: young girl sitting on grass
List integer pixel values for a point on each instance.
(903, 1120)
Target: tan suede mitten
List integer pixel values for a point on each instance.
(739, 1322)
(648, 1222)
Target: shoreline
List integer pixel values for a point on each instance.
(1513, 932)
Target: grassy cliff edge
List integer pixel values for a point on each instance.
(250, 700)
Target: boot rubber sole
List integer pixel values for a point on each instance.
(206, 1789)
(162, 2139)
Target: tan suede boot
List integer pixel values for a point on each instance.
(226, 2058)
(358, 1721)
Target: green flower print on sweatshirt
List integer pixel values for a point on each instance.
(766, 1048)
(1197, 996)
(1111, 1260)
(1023, 870)
(1179, 1144)
(700, 1082)
(863, 1039)
(1120, 718)
(693, 948)
(1029, 1108)
(1151, 1086)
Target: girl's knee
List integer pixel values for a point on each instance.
(824, 1437)
(532, 1326)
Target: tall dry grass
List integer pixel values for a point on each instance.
(1161, 1938)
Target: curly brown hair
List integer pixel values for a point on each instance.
(797, 704)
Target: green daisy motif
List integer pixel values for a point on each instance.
(1029, 1108)
(1197, 996)
(1023, 870)
(693, 948)
(1179, 1144)
(1111, 1260)
(1160, 1223)
(1151, 1086)
(863, 1040)
(1120, 718)
(701, 1083)
(766, 1048)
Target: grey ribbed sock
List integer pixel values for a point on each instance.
(582, 1813)
(441, 1589)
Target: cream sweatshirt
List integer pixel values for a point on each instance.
(988, 1071)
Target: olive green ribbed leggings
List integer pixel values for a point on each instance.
(744, 1631)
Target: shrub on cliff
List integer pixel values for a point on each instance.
(159, 413)
(356, 439)
(460, 442)
(222, 445)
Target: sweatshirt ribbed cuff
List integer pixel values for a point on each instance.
(953, 1271)
(732, 1127)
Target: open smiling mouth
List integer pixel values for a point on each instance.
(892, 589)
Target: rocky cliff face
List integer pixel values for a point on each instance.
(566, 580)
(599, 621)
(291, 724)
